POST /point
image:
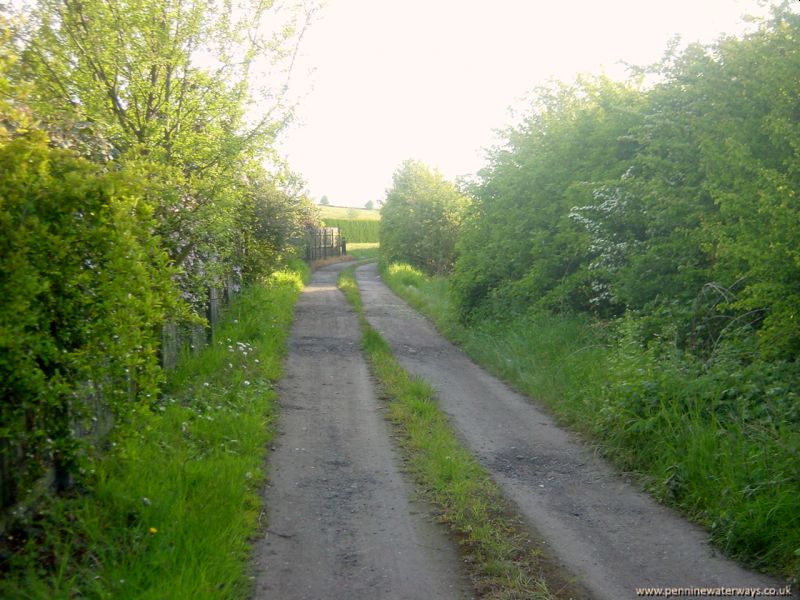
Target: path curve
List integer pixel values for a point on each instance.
(340, 525)
(607, 532)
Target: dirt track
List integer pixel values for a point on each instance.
(613, 537)
(340, 523)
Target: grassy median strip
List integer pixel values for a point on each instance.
(501, 558)
(170, 509)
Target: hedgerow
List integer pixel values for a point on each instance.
(124, 199)
(84, 286)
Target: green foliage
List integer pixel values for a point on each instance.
(717, 439)
(11, 115)
(609, 198)
(519, 244)
(85, 285)
(175, 197)
(671, 213)
(167, 85)
(174, 504)
(420, 219)
(358, 231)
(268, 221)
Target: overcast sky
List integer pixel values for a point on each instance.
(381, 81)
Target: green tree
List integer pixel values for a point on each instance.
(709, 195)
(520, 244)
(420, 218)
(751, 155)
(272, 216)
(168, 83)
(369, 205)
(324, 201)
(85, 283)
(675, 204)
(153, 94)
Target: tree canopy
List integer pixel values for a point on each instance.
(676, 199)
(170, 85)
(135, 175)
(420, 218)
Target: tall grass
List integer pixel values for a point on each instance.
(169, 510)
(534, 352)
(720, 441)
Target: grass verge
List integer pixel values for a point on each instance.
(502, 560)
(169, 511)
(544, 356)
(718, 442)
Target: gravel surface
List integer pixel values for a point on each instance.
(601, 527)
(340, 522)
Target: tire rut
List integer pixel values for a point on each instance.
(341, 525)
(613, 537)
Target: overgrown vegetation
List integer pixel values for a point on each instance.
(420, 218)
(674, 205)
(711, 441)
(166, 86)
(133, 181)
(172, 505)
(631, 256)
(76, 251)
(501, 560)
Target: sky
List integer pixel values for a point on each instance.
(381, 81)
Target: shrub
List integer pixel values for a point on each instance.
(84, 284)
(420, 219)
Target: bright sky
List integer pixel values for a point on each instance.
(386, 80)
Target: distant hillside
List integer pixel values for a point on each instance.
(349, 214)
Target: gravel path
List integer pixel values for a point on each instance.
(340, 523)
(605, 531)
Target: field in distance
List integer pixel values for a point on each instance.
(351, 214)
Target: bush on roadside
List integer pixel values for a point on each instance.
(172, 505)
(420, 219)
(85, 285)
